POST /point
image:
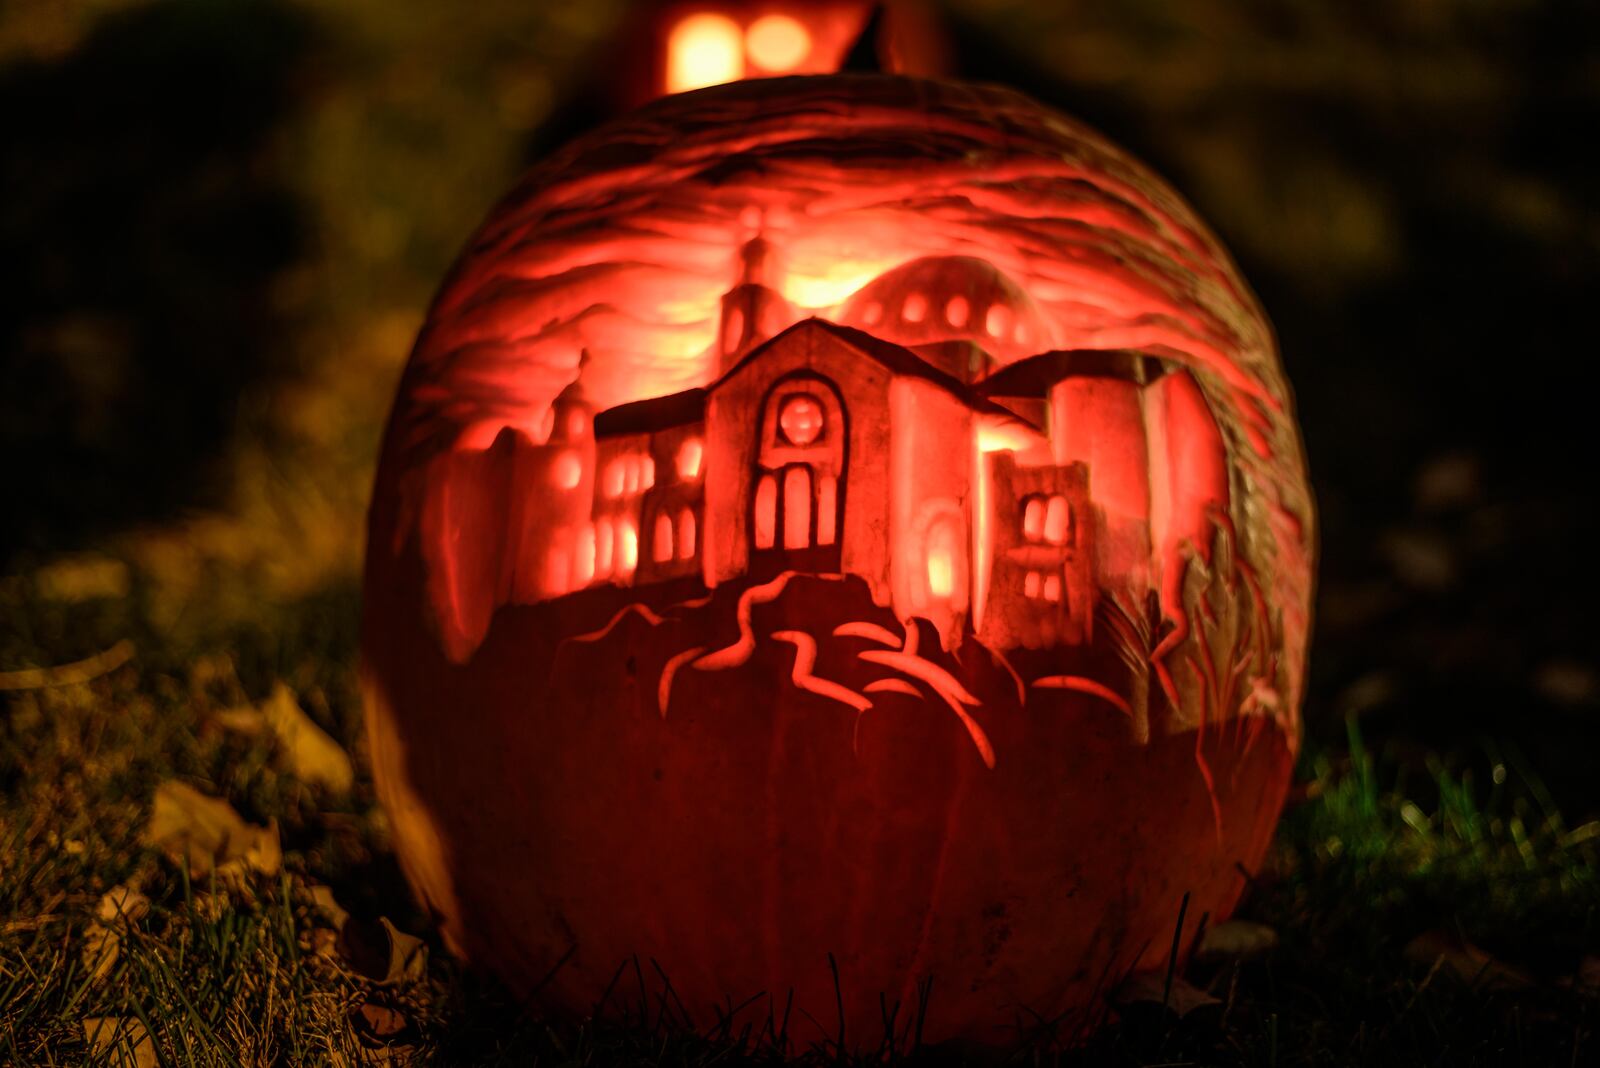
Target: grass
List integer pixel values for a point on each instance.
(1468, 854)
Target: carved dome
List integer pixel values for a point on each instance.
(936, 299)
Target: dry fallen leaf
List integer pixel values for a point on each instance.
(1151, 988)
(380, 1022)
(1443, 951)
(1236, 940)
(102, 939)
(384, 1031)
(325, 939)
(185, 821)
(124, 1037)
(328, 906)
(244, 720)
(382, 952)
(309, 753)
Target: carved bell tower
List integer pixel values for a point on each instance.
(753, 310)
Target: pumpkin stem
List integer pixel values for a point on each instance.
(866, 54)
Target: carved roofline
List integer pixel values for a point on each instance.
(676, 409)
(651, 415)
(896, 358)
(1033, 376)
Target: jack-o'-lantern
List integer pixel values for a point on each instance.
(672, 46)
(845, 540)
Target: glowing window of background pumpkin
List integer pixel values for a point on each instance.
(704, 50)
(800, 419)
(777, 43)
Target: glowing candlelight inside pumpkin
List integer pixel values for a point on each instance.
(777, 43)
(704, 50)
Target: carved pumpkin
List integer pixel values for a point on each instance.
(672, 46)
(854, 516)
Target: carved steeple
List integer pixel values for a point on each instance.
(752, 310)
(571, 413)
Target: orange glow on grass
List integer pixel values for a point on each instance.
(704, 50)
(777, 43)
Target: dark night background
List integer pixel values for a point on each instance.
(221, 223)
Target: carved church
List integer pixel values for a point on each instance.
(995, 499)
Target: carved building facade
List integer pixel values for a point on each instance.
(827, 450)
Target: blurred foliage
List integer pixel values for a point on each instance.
(224, 221)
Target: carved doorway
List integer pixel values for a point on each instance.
(796, 516)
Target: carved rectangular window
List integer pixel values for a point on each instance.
(797, 507)
(827, 510)
(1033, 518)
(1057, 521)
(662, 543)
(766, 512)
(686, 535)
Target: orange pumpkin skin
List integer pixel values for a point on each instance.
(737, 761)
